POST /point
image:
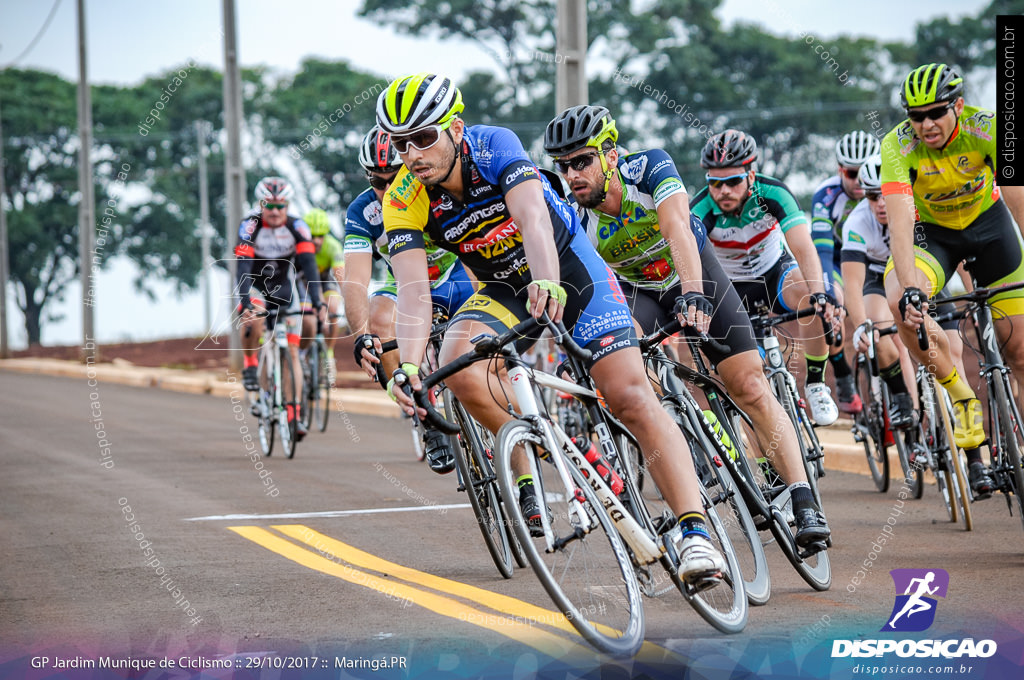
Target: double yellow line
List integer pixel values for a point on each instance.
(514, 618)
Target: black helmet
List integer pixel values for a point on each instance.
(729, 149)
(578, 127)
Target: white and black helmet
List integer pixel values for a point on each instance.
(273, 189)
(854, 148)
(376, 153)
(870, 175)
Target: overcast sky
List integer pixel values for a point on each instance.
(131, 40)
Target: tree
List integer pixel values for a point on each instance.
(41, 180)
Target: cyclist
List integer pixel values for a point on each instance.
(944, 205)
(270, 243)
(330, 262)
(475, 192)
(865, 251)
(747, 215)
(373, 317)
(634, 208)
(831, 205)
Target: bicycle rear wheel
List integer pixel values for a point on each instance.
(287, 427)
(869, 427)
(581, 562)
(471, 458)
(322, 399)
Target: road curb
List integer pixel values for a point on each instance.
(842, 453)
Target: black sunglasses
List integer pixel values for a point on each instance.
(730, 181)
(872, 195)
(378, 182)
(851, 173)
(935, 114)
(577, 163)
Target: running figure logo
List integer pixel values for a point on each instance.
(914, 609)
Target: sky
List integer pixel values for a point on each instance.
(129, 41)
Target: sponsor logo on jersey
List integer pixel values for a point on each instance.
(399, 241)
(521, 171)
(634, 168)
(609, 230)
(980, 125)
(373, 213)
(496, 241)
(473, 218)
(440, 205)
(607, 340)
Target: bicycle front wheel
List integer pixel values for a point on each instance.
(477, 475)
(1010, 435)
(580, 558)
(946, 446)
(322, 397)
(266, 402)
(287, 387)
(869, 428)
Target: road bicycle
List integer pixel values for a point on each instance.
(1005, 436)
(711, 448)
(765, 494)
(276, 372)
(591, 545)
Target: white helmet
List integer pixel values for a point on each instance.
(273, 189)
(853, 148)
(870, 175)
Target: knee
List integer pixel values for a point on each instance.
(632, 402)
(750, 391)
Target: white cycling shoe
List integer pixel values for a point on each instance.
(819, 401)
(698, 558)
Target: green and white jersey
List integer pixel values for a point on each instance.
(631, 242)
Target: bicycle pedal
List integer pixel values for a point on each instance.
(579, 495)
(812, 549)
(702, 582)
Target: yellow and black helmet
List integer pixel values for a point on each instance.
(578, 127)
(418, 101)
(929, 84)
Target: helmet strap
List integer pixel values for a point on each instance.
(607, 171)
(455, 157)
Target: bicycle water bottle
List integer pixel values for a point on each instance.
(610, 477)
(721, 435)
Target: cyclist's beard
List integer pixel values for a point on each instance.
(441, 166)
(591, 197)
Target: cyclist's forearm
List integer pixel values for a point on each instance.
(243, 277)
(802, 247)
(307, 263)
(412, 327)
(853, 277)
(355, 291)
(674, 221)
(529, 211)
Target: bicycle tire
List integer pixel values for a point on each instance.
(572, 573)
(266, 403)
(1010, 433)
(323, 386)
(733, 513)
(478, 482)
(724, 606)
(930, 428)
(309, 386)
(945, 407)
(288, 428)
(869, 428)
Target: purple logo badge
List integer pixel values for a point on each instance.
(916, 593)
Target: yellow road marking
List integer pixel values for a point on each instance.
(496, 601)
(546, 642)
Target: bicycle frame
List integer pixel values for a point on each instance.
(645, 549)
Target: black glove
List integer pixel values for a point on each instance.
(245, 303)
(360, 344)
(913, 297)
(693, 299)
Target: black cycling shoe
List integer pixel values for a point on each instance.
(250, 379)
(531, 509)
(439, 453)
(901, 411)
(980, 481)
(812, 530)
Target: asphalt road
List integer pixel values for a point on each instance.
(135, 523)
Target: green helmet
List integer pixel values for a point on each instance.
(929, 84)
(418, 101)
(317, 221)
